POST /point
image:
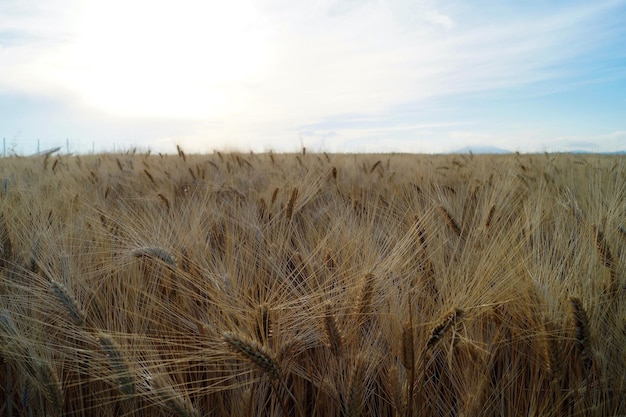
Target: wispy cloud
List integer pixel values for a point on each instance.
(267, 70)
(371, 60)
(608, 142)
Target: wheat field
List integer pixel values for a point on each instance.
(312, 285)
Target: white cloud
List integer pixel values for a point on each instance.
(440, 19)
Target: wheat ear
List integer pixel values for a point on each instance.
(408, 353)
(181, 154)
(149, 175)
(408, 358)
(171, 399)
(154, 252)
(377, 164)
(397, 390)
(6, 248)
(552, 352)
(267, 363)
(274, 196)
(261, 208)
(164, 200)
(70, 303)
(452, 224)
(264, 323)
(581, 326)
(334, 337)
(292, 203)
(606, 257)
(118, 362)
(364, 302)
(7, 324)
(5, 187)
(356, 391)
(49, 384)
(490, 214)
(254, 353)
(443, 326)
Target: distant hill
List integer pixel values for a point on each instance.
(495, 150)
(586, 152)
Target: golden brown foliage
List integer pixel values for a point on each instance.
(304, 284)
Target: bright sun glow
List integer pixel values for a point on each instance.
(167, 59)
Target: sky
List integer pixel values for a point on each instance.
(423, 76)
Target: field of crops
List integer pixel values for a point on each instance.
(312, 285)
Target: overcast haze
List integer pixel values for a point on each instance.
(338, 76)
